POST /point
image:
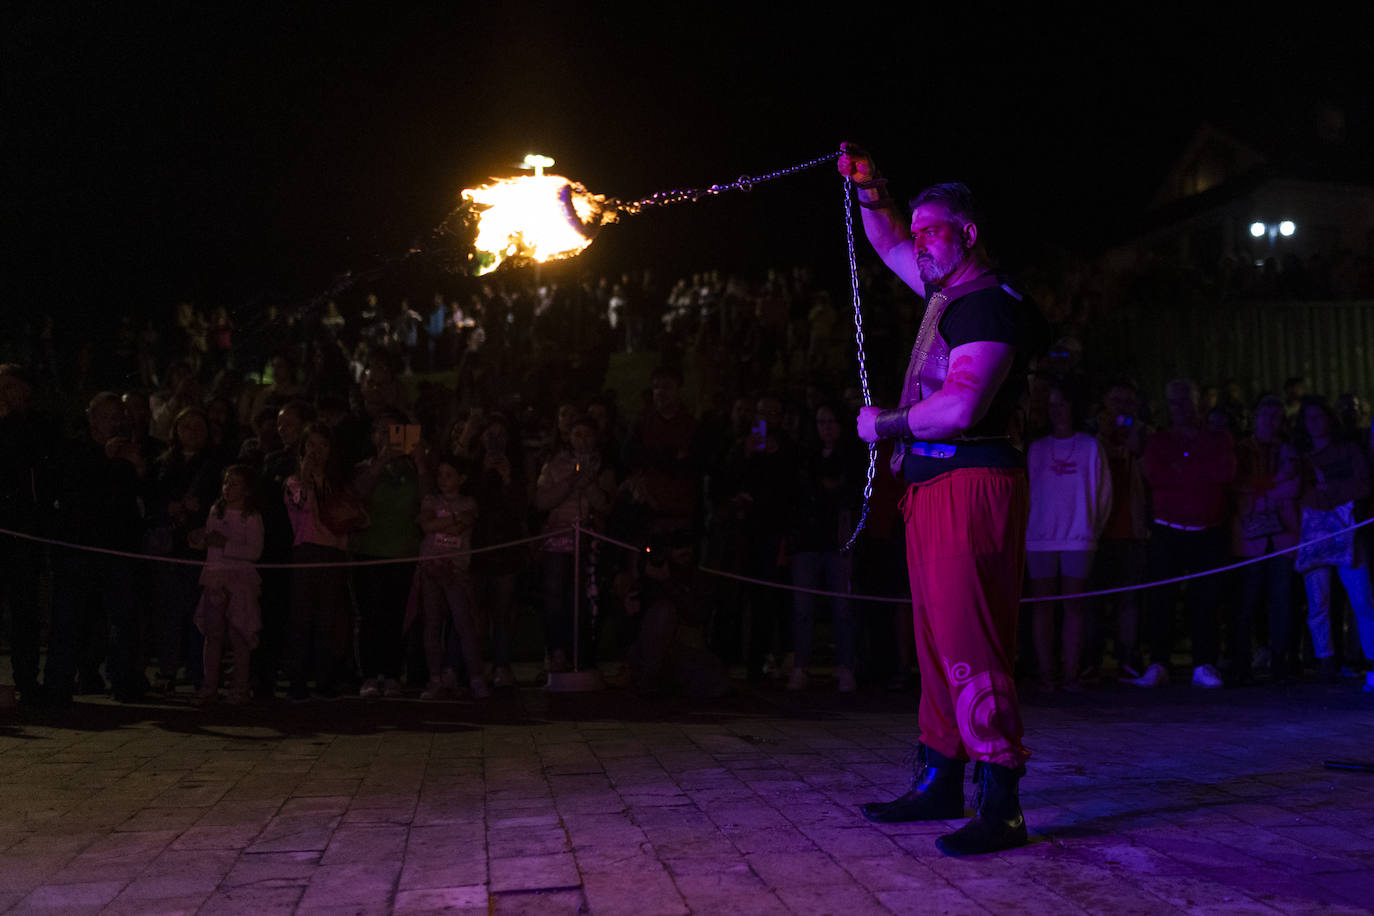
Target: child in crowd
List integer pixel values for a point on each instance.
(228, 608)
(445, 584)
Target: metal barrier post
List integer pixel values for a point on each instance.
(576, 680)
(577, 595)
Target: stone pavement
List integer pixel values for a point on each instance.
(1176, 800)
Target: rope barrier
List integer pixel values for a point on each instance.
(1093, 594)
(1207, 572)
(884, 599)
(182, 561)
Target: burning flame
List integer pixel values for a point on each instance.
(535, 217)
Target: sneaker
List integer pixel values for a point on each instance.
(770, 666)
(449, 678)
(797, 679)
(503, 677)
(1154, 676)
(1206, 676)
(391, 688)
(844, 679)
(207, 697)
(370, 689)
(434, 691)
(1262, 659)
(480, 690)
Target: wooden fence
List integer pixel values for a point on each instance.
(1260, 344)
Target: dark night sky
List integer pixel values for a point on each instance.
(157, 151)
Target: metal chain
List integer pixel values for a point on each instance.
(747, 183)
(863, 362)
(682, 195)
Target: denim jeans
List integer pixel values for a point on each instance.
(1357, 586)
(1269, 583)
(448, 596)
(823, 571)
(321, 623)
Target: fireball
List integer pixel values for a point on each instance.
(535, 218)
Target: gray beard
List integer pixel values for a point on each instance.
(933, 270)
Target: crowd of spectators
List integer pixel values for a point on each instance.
(378, 498)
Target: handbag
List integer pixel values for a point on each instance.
(1261, 523)
(1327, 538)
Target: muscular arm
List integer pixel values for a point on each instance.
(890, 236)
(976, 372)
(886, 227)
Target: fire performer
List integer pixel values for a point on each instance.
(965, 506)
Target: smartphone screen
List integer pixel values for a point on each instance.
(404, 437)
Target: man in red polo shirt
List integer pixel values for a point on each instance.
(1189, 468)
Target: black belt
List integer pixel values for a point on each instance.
(923, 460)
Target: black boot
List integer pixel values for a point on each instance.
(998, 823)
(936, 794)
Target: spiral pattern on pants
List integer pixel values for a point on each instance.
(986, 714)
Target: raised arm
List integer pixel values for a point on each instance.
(884, 221)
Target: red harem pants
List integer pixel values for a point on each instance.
(966, 555)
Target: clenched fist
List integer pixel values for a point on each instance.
(855, 163)
(868, 423)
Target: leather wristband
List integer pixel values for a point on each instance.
(891, 424)
(882, 203)
(877, 181)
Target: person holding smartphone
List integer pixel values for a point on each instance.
(390, 484)
(575, 488)
(1121, 434)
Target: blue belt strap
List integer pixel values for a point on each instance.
(931, 449)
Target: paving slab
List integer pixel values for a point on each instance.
(1139, 803)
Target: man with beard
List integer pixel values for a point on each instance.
(965, 507)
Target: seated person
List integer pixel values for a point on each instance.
(672, 604)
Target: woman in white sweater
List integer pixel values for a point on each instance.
(1070, 499)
